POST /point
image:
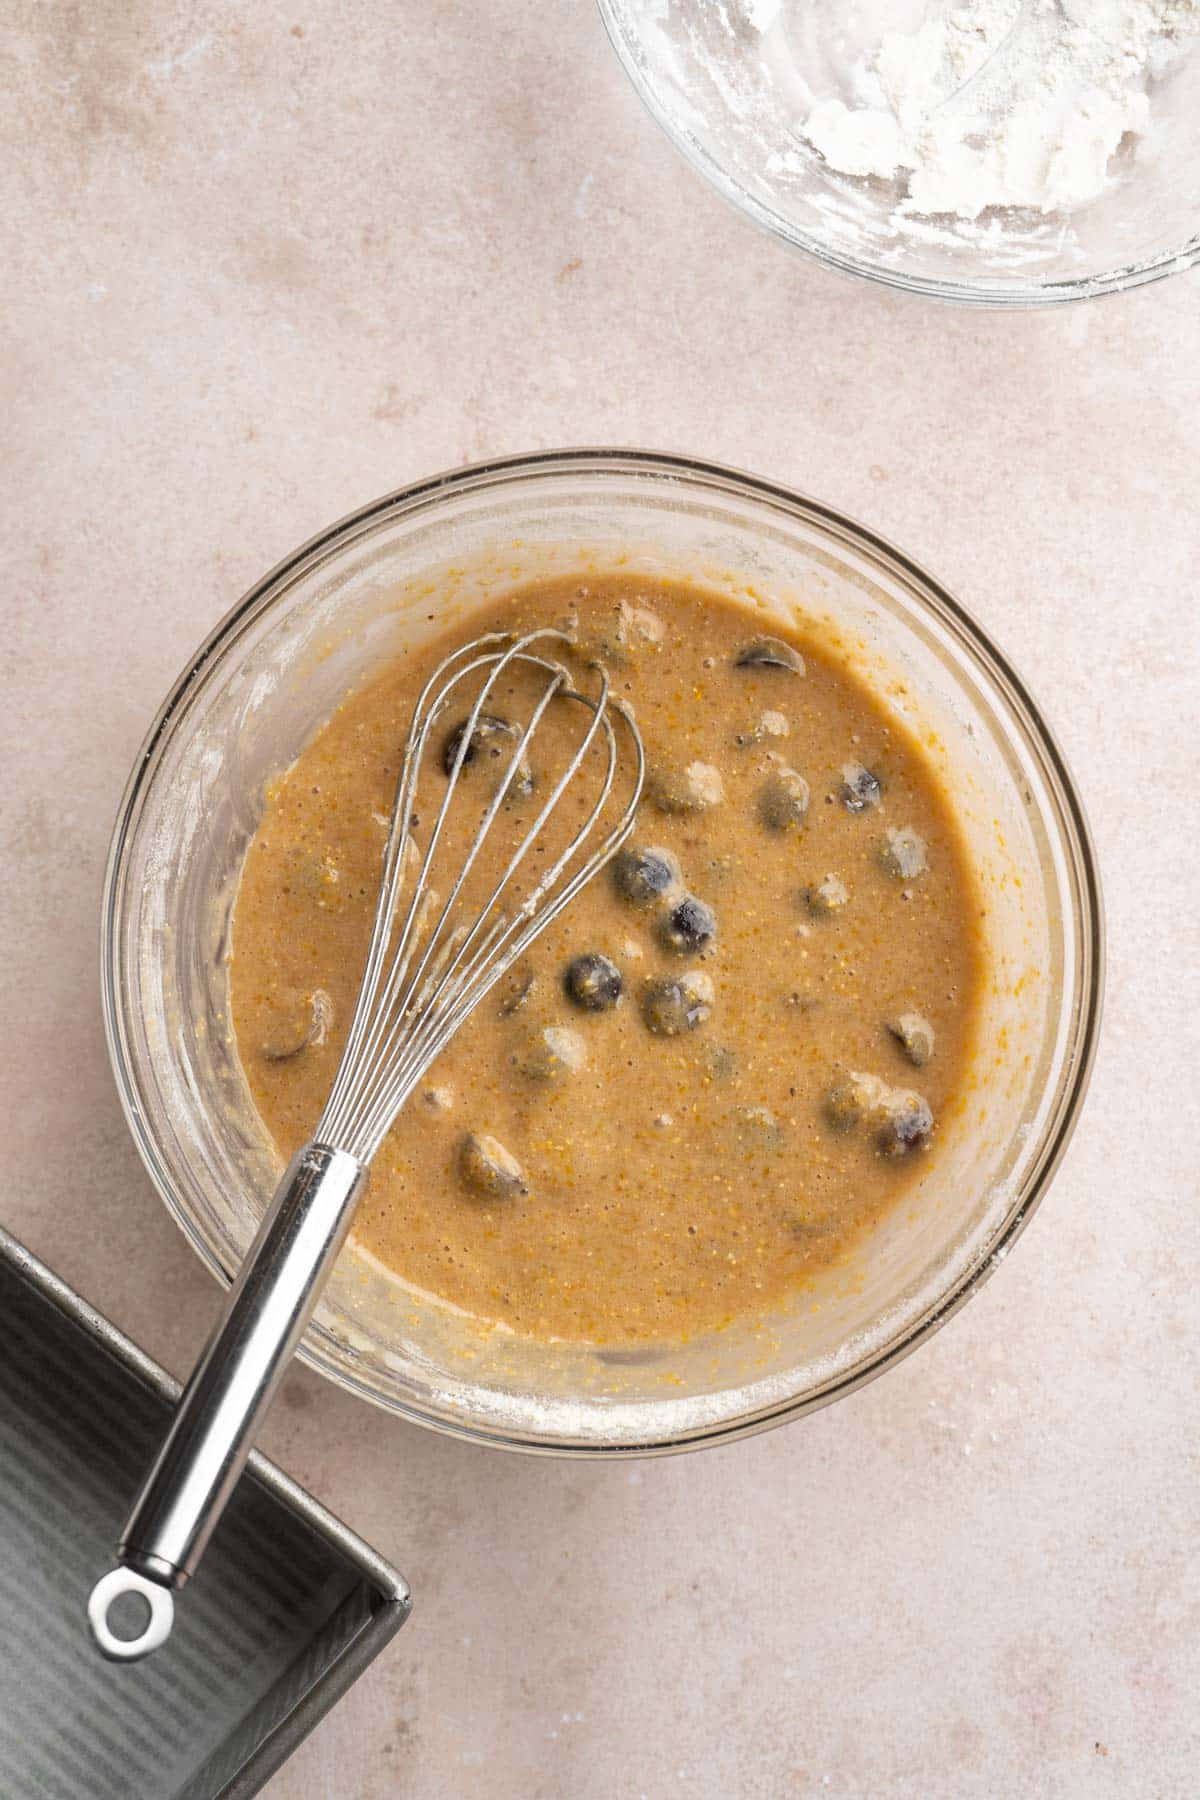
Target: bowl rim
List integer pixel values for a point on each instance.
(1077, 846)
(996, 297)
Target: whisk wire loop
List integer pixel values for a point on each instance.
(425, 974)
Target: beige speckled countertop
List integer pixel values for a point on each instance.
(263, 263)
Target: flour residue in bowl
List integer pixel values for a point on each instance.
(1006, 103)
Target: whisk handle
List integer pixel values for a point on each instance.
(232, 1385)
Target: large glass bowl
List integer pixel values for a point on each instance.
(398, 571)
(732, 85)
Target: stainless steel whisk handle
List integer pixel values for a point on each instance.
(220, 1410)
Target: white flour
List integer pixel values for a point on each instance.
(1001, 103)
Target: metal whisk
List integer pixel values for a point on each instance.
(431, 961)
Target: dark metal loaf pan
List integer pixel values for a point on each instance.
(287, 1610)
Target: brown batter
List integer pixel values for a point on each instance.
(654, 1162)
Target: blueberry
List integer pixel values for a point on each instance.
(670, 1008)
(488, 1170)
(859, 789)
(551, 1054)
(644, 877)
(843, 1107)
(783, 800)
(689, 926)
(693, 789)
(908, 1125)
(770, 653)
(488, 733)
(827, 898)
(914, 1035)
(903, 854)
(617, 634)
(495, 736)
(857, 1098)
(593, 982)
(770, 725)
(757, 1129)
(900, 1120)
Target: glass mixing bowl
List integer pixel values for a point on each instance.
(397, 572)
(733, 84)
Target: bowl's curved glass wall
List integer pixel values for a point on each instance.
(399, 571)
(733, 85)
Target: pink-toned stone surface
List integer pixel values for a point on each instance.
(265, 262)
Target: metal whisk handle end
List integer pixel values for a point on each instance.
(264, 1318)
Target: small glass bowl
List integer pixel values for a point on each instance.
(396, 573)
(731, 85)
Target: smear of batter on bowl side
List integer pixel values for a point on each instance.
(724, 1061)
